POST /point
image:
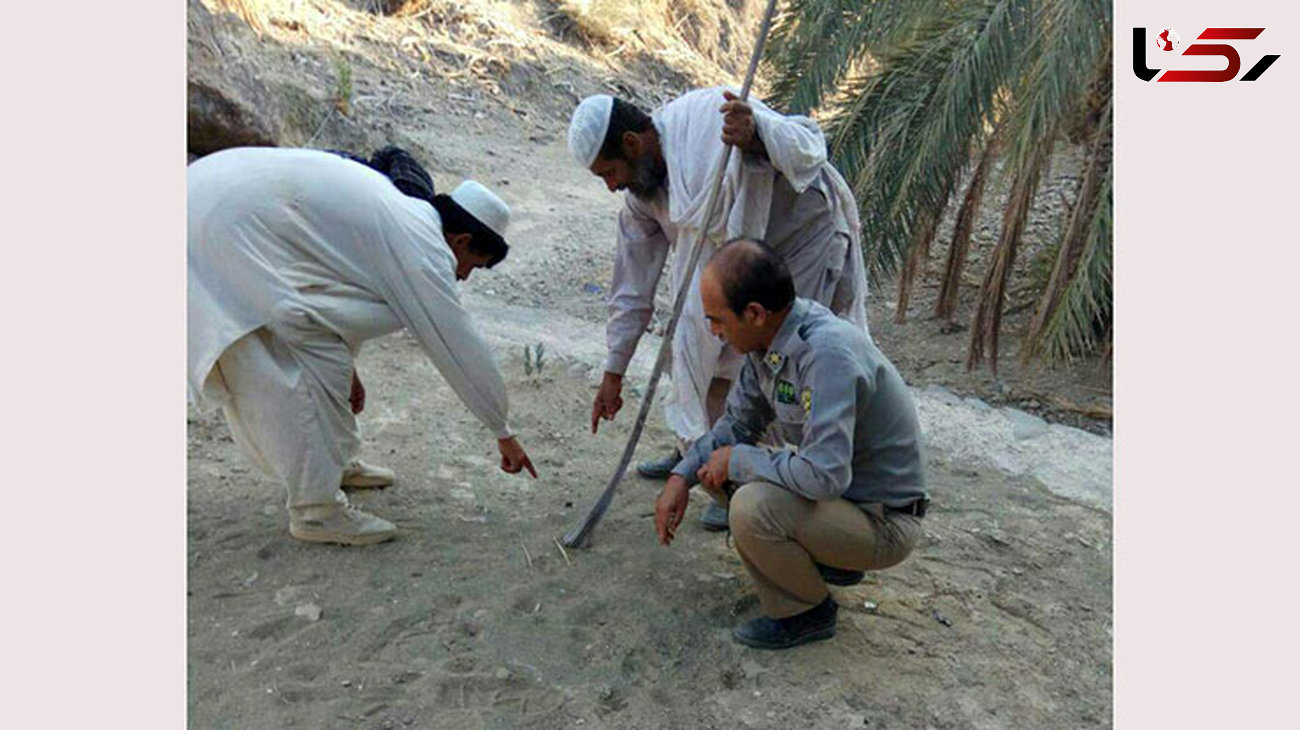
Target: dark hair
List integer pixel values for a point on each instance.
(483, 240)
(406, 172)
(400, 166)
(750, 271)
(623, 117)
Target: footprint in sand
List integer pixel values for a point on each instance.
(414, 634)
(277, 628)
(501, 694)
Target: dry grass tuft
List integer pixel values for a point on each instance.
(250, 10)
(678, 30)
(662, 43)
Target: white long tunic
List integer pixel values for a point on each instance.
(300, 240)
(795, 201)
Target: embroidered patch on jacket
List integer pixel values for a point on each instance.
(784, 391)
(806, 399)
(774, 359)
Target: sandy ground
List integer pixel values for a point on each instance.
(474, 618)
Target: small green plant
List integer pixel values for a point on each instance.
(533, 359)
(342, 84)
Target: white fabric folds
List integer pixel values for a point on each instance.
(303, 242)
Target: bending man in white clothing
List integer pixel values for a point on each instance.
(296, 257)
(780, 190)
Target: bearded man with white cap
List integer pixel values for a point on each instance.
(297, 257)
(781, 190)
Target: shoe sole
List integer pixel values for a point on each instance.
(818, 635)
(366, 483)
(653, 474)
(842, 580)
(341, 539)
(711, 525)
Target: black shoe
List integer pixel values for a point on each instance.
(714, 518)
(659, 468)
(840, 576)
(815, 624)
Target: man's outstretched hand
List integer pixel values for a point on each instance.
(670, 508)
(609, 399)
(513, 457)
(357, 398)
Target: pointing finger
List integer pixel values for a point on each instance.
(675, 519)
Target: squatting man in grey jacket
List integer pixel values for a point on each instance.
(852, 496)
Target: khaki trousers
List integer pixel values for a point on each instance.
(780, 535)
(289, 412)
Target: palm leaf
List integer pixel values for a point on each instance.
(986, 328)
(904, 134)
(946, 302)
(1086, 307)
(917, 255)
(1068, 38)
(1075, 236)
(907, 90)
(814, 43)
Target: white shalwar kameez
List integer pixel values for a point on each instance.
(795, 201)
(296, 257)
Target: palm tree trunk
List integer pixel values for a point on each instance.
(946, 305)
(988, 318)
(918, 254)
(1106, 354)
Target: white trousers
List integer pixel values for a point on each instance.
(827, 270)
(288, 409)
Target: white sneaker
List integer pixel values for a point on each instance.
(360, 475)
(339, 523)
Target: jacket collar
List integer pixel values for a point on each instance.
(786, 337)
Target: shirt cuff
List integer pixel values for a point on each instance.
(687, 468)
(763, 130)
(766, 125)
(756, 163)
(745, 463)
(617, 362)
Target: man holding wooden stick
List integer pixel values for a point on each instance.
(781, 189)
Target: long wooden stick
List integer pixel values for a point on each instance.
(580, 536)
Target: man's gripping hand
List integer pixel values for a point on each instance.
(739, 127)
(714, 474)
